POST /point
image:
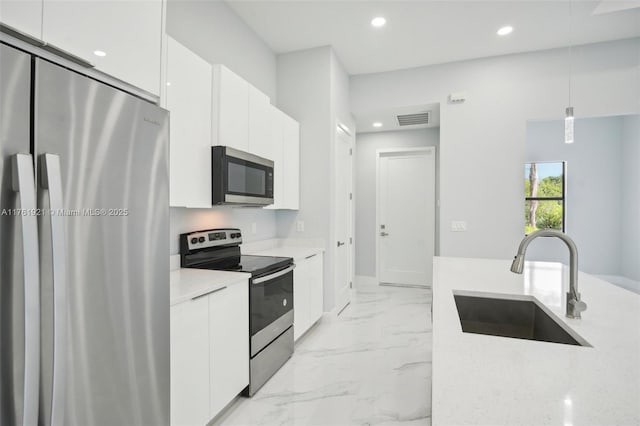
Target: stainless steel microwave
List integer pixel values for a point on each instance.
(240, 178)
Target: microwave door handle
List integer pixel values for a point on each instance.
(274, 275)
(51, 180)
(23, 183)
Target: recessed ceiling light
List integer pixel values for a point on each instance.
(377, 124)
(168, 83)
(505, 30)
(99, 53)
(378, 22)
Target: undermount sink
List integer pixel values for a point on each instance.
(519, 317)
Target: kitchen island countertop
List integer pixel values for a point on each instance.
(488, 380)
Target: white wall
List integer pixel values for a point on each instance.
(213, 31)
(314, 89)
(594, 195)
(482, 140)
(630, 266)
(365, 181)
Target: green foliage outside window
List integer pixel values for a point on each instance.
(544, 207)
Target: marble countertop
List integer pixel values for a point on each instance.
(298, 253)
(188, 283)
(489, 380)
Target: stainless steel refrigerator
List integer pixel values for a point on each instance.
(84, 225)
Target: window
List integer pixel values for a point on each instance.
(544, 192)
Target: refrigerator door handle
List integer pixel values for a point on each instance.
(51, 180)
(24, 184)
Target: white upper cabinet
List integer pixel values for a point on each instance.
(230, 115)
(285, 152)
(188, 98)
(121, 38)
(291, 163)
(275, 141)
(260, 124)
(23, 15)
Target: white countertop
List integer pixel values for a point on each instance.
(188, 283)
(489, 380)
(298, 253)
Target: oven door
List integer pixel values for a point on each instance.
(271, 307)
(242, 178)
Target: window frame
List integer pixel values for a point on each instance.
(563, 198)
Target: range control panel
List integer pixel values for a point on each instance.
(211, 238)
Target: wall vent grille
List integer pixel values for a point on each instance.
(414, 119)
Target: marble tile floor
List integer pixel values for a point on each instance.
(369, 366)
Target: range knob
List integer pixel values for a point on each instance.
(194, 240)
(201, 239)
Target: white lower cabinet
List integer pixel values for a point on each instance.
(209, 353)
(190, 362)
(229, 343)
(307, 294)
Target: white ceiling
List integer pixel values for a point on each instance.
(425, 32)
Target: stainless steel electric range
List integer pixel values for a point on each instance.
(270, 296)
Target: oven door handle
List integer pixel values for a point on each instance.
(274, 275)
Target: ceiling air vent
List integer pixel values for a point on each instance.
(414, 119)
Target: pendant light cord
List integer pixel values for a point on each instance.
(570, 47)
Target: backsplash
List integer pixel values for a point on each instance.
(186, 220)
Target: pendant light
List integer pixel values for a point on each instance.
(568, 112)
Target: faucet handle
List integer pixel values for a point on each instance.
(575, 306)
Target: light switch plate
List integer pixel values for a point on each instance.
(254, 228)
(458, 226)
(300, 226)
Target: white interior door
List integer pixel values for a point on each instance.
(343, 184)
(406, 216)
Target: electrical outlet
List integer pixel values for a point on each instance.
(254, 228)
(300, 226)
(458, 226)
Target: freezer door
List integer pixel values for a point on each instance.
(19, 298)
(113, 155)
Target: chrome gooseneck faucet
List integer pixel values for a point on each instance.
(574, 304)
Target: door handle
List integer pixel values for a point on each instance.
(23, 183)
(340, 244)
(51, 180)
(384, 234)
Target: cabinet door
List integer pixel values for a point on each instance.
(259, 124)
(188, 98)
(229, 343)
(190, 362)
(231, 109)
(276, 129)
(316, 293)
(128, 33)
(291, 163)
(301, 318)
(23, 15)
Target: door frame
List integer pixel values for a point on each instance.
(350, 135)
(407, 151)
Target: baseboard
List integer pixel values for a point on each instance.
(365, 280)
(426, 287)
